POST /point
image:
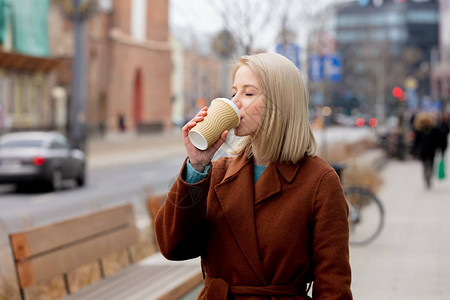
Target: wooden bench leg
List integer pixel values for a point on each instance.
(102, 270)
(22, 293)
(66, 283)
(130, 256)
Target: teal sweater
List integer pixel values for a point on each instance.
(192, 176)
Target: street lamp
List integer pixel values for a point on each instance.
(78, 11)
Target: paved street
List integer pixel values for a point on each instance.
(411, 258)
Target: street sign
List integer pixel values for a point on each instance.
(290, 51)
(315, 68)
(332, 68)
(363, 2)
(324, 44)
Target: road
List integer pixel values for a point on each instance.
(131, 183)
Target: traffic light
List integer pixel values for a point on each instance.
(360, 122)
(398, 93)
(373, 122)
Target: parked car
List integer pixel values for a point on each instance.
(44, 157)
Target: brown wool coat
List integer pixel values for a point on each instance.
(265, 238)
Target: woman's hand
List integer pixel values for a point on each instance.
(199, 159)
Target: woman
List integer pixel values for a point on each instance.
(271, 219)
(427, 138)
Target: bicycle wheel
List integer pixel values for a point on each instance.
(366, 215)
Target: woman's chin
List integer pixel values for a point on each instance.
(239, 133)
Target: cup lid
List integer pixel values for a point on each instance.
(231, 103)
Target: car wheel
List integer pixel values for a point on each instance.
(56, 181)
(81, 178)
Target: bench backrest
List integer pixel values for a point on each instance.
(154, 204)
(44, 252)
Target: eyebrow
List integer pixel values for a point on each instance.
(246, 86)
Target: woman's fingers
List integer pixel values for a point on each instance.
(219, 142)
(198, 118)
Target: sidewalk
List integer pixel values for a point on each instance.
(124, 149)
(411, 257)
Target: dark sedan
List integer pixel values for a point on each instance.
(45, 157)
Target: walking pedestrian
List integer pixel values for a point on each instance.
(426, 142)
(121, 122)
(444, 131)
(271, 219)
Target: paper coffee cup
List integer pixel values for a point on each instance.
(222, 115)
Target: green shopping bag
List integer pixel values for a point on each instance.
(441, 169)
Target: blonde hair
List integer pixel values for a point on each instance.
(284, 133)
(424, 120)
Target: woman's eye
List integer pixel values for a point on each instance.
(232, 96)
(249, 94)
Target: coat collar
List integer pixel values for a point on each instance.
(238, 196)
(287, 170)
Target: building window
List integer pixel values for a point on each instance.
(379, 19)
(379, 35)
(350, 36)
(398, 35)
(423, 16)
(138, 19)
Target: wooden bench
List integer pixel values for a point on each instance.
(152, 278)
(44, 252)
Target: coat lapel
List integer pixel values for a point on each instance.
(236, 194)
(269, 183)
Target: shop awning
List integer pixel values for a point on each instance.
(20, 62)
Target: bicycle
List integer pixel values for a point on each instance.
(366, 212)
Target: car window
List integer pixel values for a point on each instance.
(22, 144)
(59, 143)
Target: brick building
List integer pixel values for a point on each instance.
(130, 67)
(198, 74)
(27, 67)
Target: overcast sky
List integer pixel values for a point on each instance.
(196, 14)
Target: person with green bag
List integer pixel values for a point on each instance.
(443, 143)
(427, 141)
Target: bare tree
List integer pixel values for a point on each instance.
(258, 24)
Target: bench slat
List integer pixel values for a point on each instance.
(41, 239)
(149, 279)
(45, 267)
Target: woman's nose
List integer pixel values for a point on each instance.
(236, 101)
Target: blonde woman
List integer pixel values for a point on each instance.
(272, 219)
(426, 142)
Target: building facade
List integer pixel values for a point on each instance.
(441, 67)
(128, 66)
(385, 44)
(198, 74)
(129, 56)
(28, 70)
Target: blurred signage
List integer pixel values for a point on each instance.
(332, 68)
(324, 43)
(315, 68)
(290, 51)
(377, 3)
(363, 2)
(30, 26)
(327, 67)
